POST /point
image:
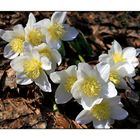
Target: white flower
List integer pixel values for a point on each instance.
(52, 54)
(29, 67)
(92, 83)
(33, 33)
(66, 78)
(117, 55)
(119, 73)
(15, 39)
(56, 30)
(103, 113)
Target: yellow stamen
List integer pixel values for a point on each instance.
(91, 87)
(114, 77)
(17, 44)
(69, 82)
(101, 111)
(46, 52)
(118, 58)
(35, 37)
(56, 31)
(32, 68)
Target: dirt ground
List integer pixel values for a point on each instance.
(29, 107)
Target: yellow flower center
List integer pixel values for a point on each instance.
(56, 31)
(118, 58)
(101, 111)
(114, 77)
(35, 37)
(32, 68)
(46, 52)
(91, 87)
(17, 44)
(69, 82)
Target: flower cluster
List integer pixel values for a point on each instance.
(35, 56)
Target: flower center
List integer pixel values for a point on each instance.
(101, 111)
(35, 37)
(91, 87)
(17, 44)
(118, 58)
(114, 77)
(46, 52)
(32, 68)
(56, 31)
(69, 82)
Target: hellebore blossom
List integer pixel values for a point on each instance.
(15, 39)
(66, 78)
(103, 113)
(117, 55)
(33, 33)
(52, 54)
(56, 30)
(30, 68)
(92, 83)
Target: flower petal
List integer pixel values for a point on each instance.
(46, 63)
(21, 79)
(101, 124)
(31, 21)
(8, 36)
(70, 33)
(109, 91)
(116, 48)
(17, 63)
(57, 77)
(118, 113)
(71, 70)
(104, 58)
(104, 70)
(84, 117)
(9, 53)
(57, 56)
(59, 17)
(54, 44)
(129, 53)
(18, 29)
(61, 95)
(43, 83)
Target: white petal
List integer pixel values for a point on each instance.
(129, 53)
(1, 32)
(109, 91)
(61, 95)
(53, 67)
(122, 85)
(31, 21)
(18, 29)
(43, 23)
(9, 53)
(101, 124)
(104, 58)
(104, 70)
(83, 70)
(84, 117)
(8, 36)
(59, 76)
(17, 63)
(70, 33)
(135, 62)
(71, 70)
(21, 79)
(116, 48)
(115, 100)
(75, 90)
(27, 47)
(54, 44)
(57, 56)
(43, 83)
(118, 113)
(46, 63)
(58, 17)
